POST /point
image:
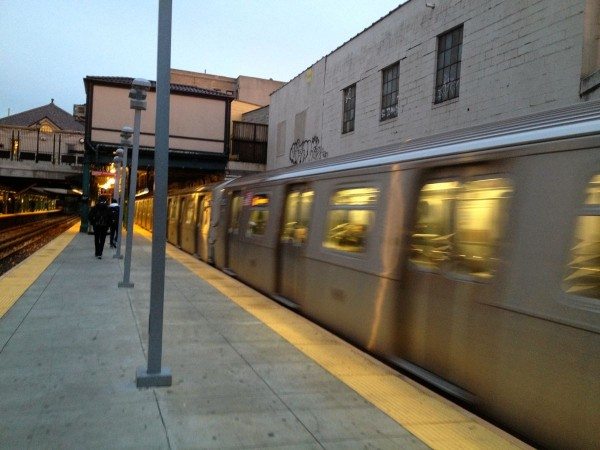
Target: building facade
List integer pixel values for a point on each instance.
(435, 66)
(245, 89)
(198, 126)
(248, 136)
(44, 134)
(41, 156)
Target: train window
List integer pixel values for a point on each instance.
(297, 217)
(173, 208)
(431, 239)
(205, 212)
(459, 227)
(259, 214)
(351, 214)
(583, 268)
(190, 213)
(235, 212)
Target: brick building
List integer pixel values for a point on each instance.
(434, 66)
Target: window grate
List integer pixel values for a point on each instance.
(447, 81)
(389, 92)
(349, 109)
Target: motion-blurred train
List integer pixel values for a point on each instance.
(470, 259)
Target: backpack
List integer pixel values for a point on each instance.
(101, 216)
(114, 215)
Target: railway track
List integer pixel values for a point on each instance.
(18, 242)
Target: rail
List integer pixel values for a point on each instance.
(18, 242)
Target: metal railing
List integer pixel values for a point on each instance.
(249, 142)
(34, 145)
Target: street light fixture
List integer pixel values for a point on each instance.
(126, 133)
(137, 95)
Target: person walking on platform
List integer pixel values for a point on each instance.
(114, 223)
(100, 220)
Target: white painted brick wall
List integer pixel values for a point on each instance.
(518, 57)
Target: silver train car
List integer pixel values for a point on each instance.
(469, 259)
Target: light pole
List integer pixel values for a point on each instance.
(154, 374)
(126, 133)
(137, 94)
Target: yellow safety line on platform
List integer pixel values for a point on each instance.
(16, 281)
(436, 421)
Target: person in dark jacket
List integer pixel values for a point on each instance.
(114, 223)
(100, 219)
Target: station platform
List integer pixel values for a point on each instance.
(247, 372)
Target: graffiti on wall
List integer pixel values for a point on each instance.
(307, 150)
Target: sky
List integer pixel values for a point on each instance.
(48, 47)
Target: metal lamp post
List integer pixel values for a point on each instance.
(137, 94)
(155, 375)
(126, 133)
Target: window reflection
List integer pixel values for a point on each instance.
(459, 226)
(349, 219)
(583, 269)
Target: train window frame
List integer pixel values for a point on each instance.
(363, 249)
(588, 209)
(296, 232)
(449, 264)
(257, 208)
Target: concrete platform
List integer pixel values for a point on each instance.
(247, 373)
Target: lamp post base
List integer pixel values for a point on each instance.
(143, 379)
(125, 285)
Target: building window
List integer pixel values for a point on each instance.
(447, 80)
(349, 108)
(583, 268)
(281, 138)
(389, 92)
(14, 146)
(299, 126)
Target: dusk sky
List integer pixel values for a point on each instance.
(49, 47)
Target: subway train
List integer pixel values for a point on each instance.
(469, 259)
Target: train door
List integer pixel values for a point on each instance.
(233, 229)
(173, 224)
(188, 224)
(293, 236)
(150, 214)
(203, 226)
(455, 256)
